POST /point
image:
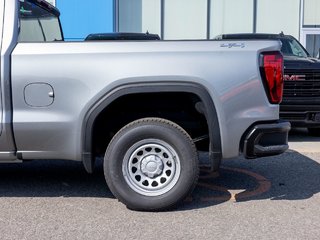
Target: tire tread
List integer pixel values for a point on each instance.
(159, 122)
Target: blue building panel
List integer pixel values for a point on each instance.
(81, 17)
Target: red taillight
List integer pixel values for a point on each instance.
(272, 72)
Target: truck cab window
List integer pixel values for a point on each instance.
(38, 24)
(291, 47)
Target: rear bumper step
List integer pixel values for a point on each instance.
(266, 140)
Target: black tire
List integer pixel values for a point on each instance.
(314, 132)
(145, 149)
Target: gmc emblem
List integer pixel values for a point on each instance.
(294, 77)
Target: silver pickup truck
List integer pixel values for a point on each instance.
(148, 107)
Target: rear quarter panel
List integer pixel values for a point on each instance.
(82, 73)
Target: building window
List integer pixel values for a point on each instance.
(229, 16)
(274, 16)
(311, 13)
(313, 44)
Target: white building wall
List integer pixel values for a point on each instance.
(274, 16)
(230, 16)
(185, 19)
(151, 16)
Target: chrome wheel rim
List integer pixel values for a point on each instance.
(151, 167)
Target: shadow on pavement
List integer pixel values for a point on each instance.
(53, 178)
(302, 135)
(290, 176)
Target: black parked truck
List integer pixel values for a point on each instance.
(301, 94)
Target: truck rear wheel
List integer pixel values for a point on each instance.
(151, 164)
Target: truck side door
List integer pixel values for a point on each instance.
(8, 35)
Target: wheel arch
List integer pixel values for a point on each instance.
(206, 107)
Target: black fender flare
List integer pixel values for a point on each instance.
(207, 107)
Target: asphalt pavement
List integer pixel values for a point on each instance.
(269, 198)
